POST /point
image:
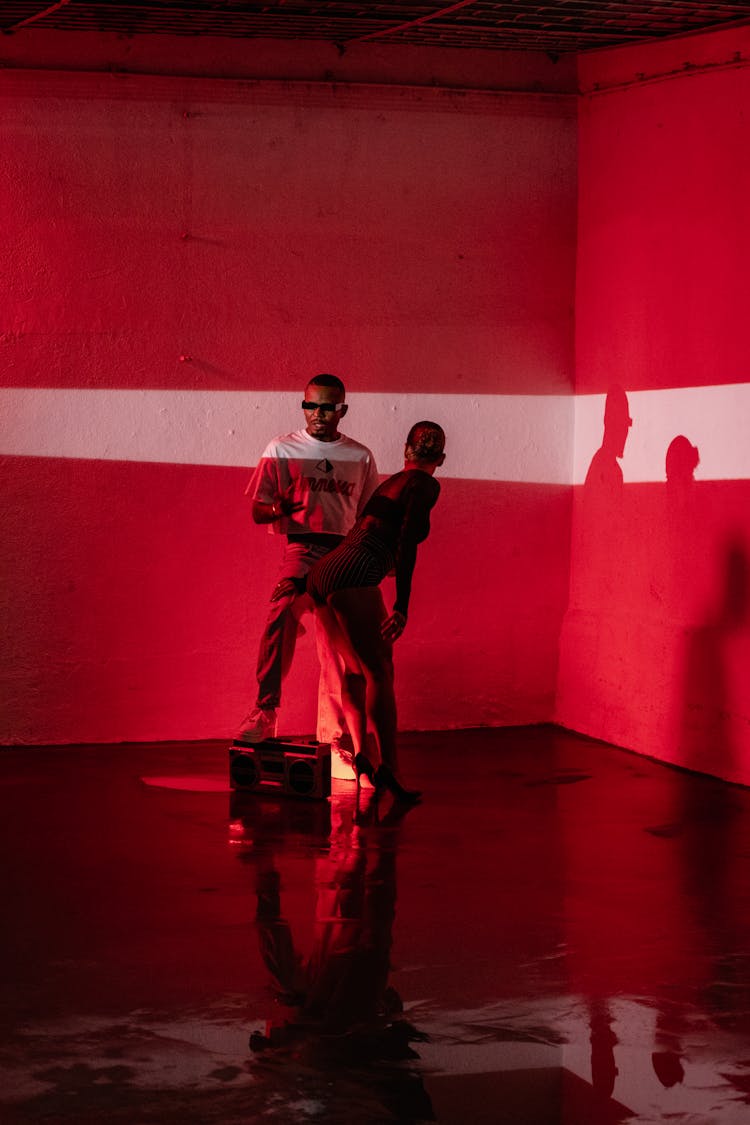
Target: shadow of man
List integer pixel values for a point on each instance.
(603, 533)
(604, 475)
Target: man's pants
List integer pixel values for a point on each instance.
(280, 637)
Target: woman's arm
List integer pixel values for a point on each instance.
(422, 495)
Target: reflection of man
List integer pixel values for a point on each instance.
(342, 987)
(310, 486)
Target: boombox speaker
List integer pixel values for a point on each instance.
(290, 767)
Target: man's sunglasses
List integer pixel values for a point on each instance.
(323, 407)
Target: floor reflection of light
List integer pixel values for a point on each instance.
(159, 1051)
(190, 783)
(556, 1032)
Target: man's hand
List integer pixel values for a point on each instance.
(393, 626)
(285, 504)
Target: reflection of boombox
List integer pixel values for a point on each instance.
(294, 767)
(262, 817)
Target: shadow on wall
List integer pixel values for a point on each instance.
(706, 737)
(605, 529)
(705, 702)
(705, 696)
(669, 603)
(604, 476)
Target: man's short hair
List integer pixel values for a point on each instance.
(326, 380)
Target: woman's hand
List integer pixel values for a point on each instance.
(286, 588)
(393, 626)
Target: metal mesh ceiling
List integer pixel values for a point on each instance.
(567, 25)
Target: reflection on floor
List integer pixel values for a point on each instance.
(557, 934)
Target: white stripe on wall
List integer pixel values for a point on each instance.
(534, 439)
(489, 437)
(714, 419)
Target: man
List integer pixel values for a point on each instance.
(310, 486)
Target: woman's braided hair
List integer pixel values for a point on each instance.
(426, 442)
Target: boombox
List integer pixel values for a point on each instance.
(293, 767)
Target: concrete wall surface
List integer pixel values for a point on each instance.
(655, 649)
(182, 254)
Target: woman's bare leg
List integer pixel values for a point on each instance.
(359, 613)
(353, 682)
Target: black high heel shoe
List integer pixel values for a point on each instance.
(363, 765)
(386, 779)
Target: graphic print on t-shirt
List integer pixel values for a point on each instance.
(332, 488)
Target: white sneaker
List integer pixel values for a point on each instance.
(258, 725)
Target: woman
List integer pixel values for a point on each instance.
(344, 584)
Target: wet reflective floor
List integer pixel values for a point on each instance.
(558, 933)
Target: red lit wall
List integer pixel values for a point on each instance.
(655, 648)
(181, 255)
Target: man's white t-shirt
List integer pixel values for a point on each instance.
(333, 480)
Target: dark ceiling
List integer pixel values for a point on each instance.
(567, 25)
